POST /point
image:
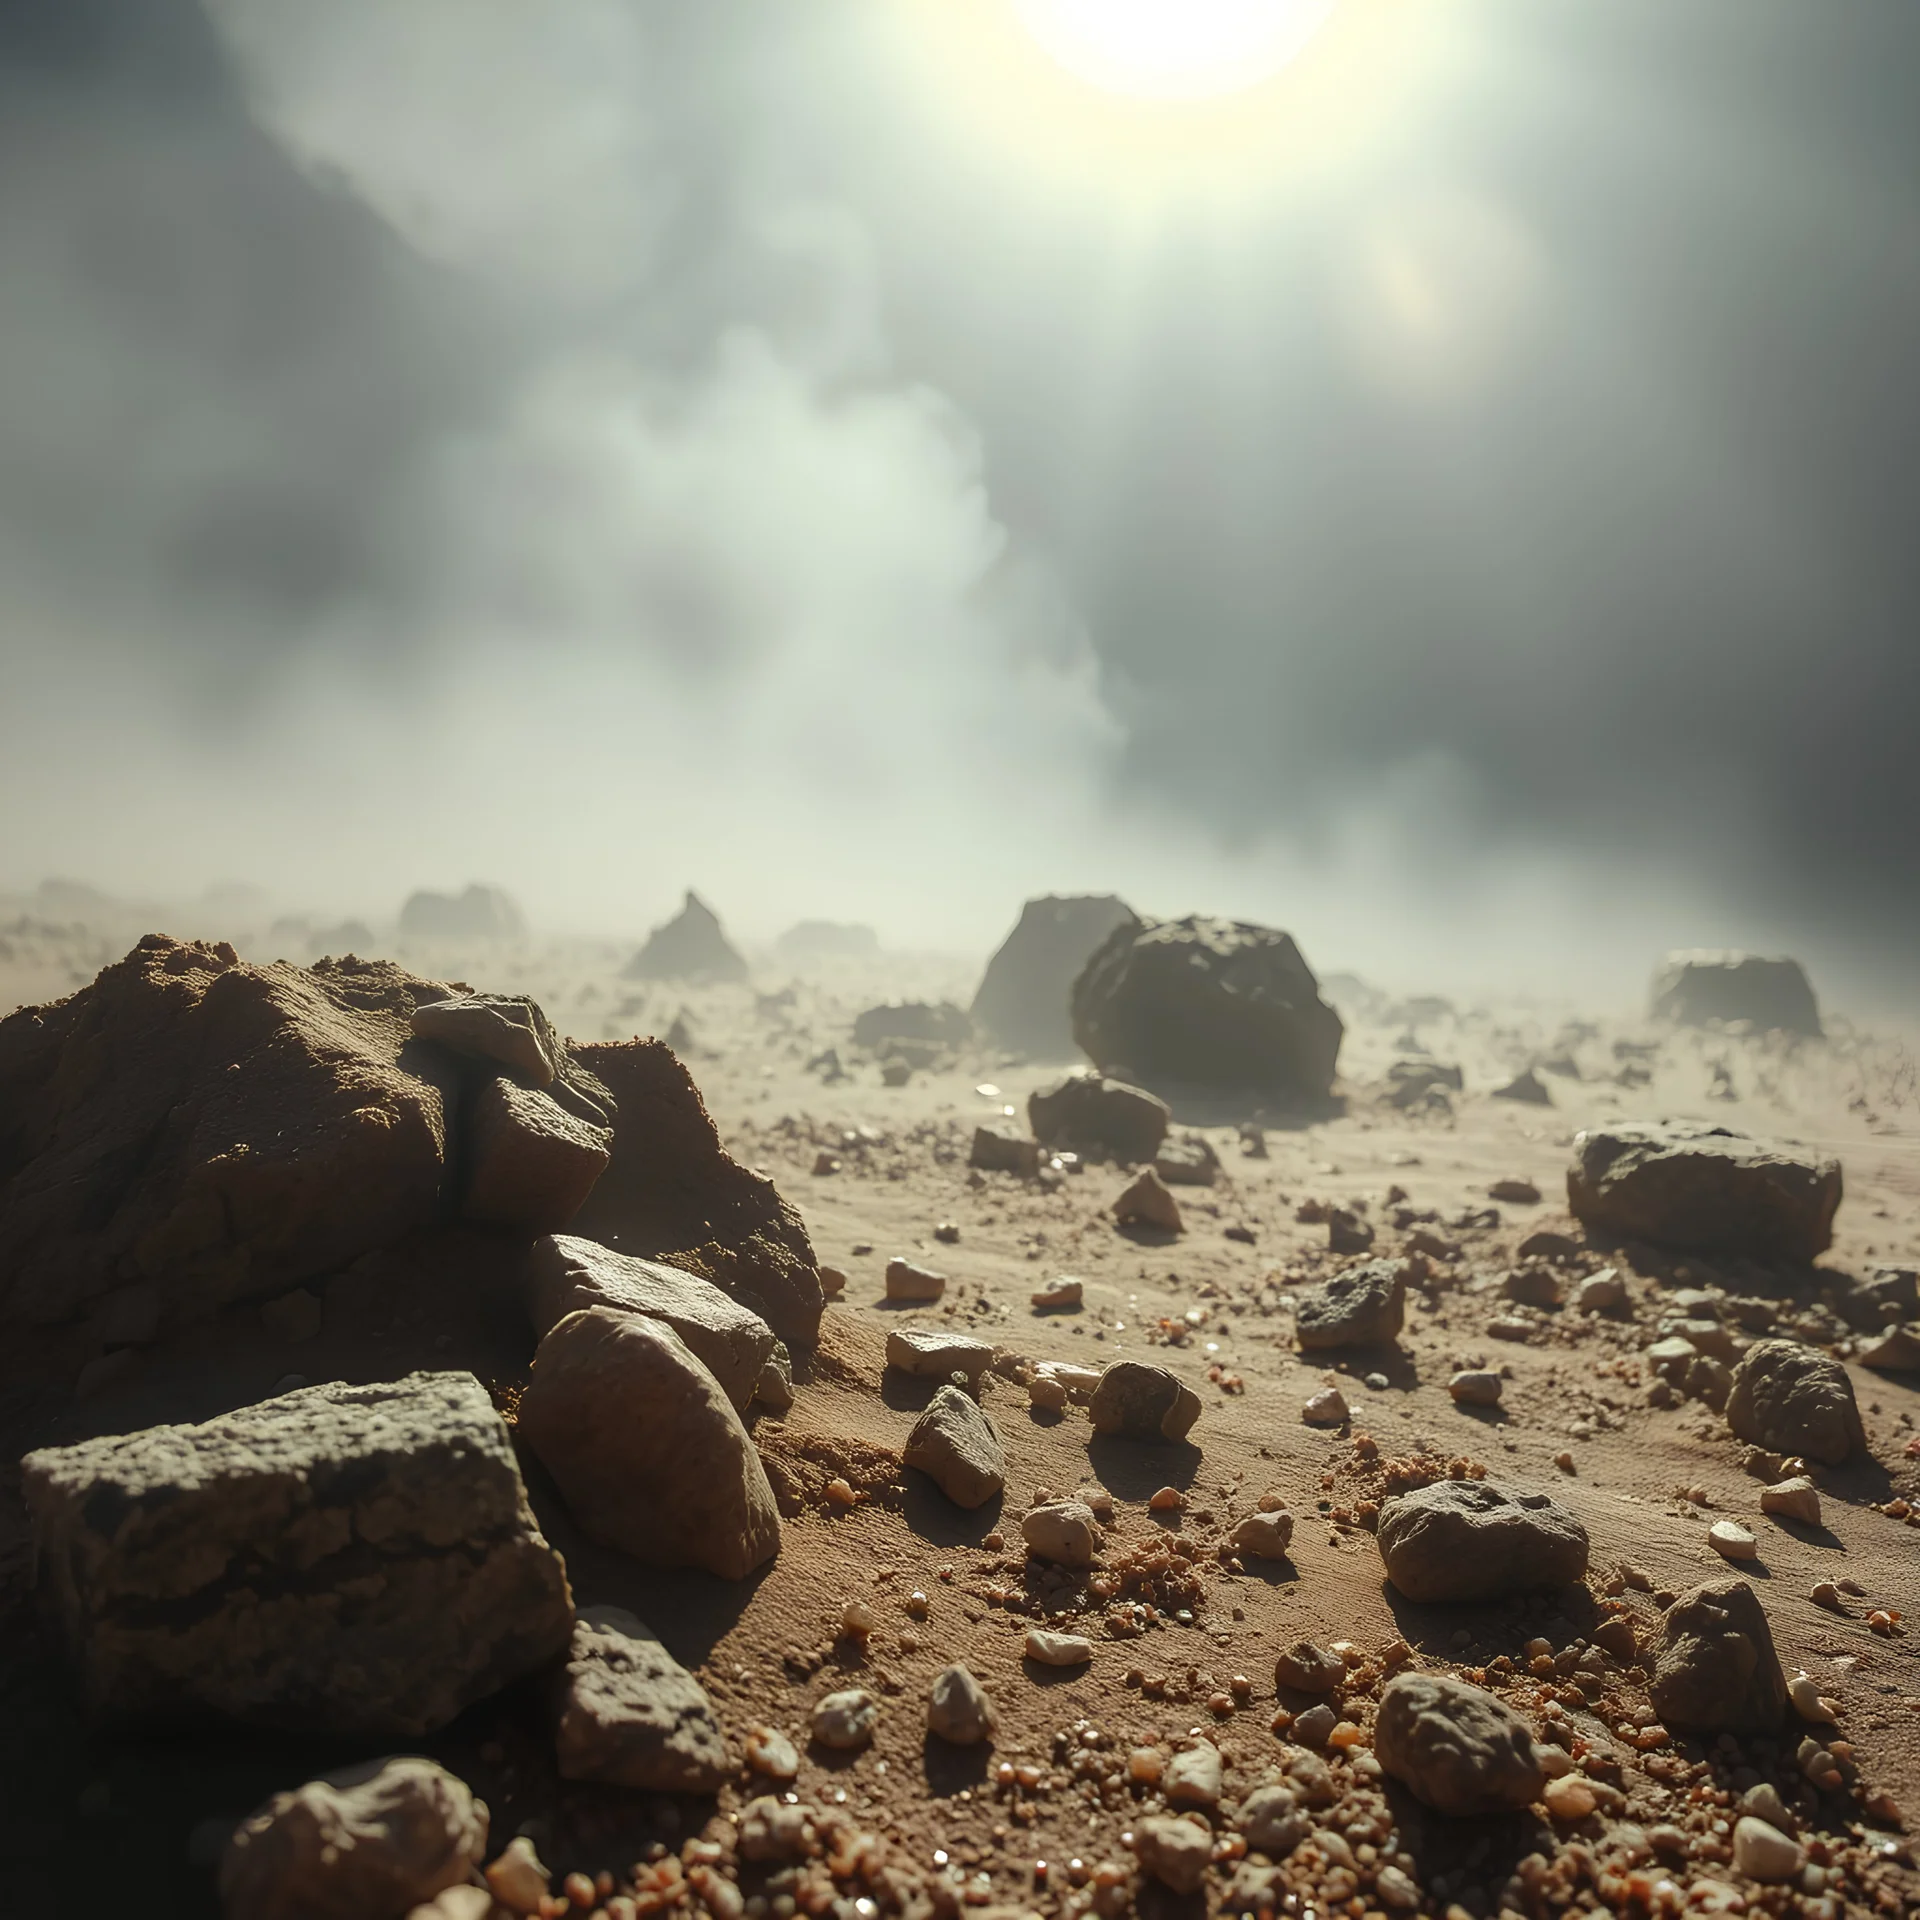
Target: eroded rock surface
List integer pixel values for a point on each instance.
(1457, 1747)
(1795, 1400)
(631, 1715)
(1715, 1667)
(1466, 1540)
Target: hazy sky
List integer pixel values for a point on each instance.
(1457, 501)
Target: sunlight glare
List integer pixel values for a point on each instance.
(1173, 50)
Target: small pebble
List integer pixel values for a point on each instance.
(769, 1751)
(845, 1720)
(1569, 1798)
(857, 1619)
(1047, 1393)
(1167, 1500)
(1795, 1499)
(1058, 1649)
(1808, 1701)
(1564, 1461)
(1476, 1387)
(1063, 1293)
(1732, 1541)
(1763, 1852)
(1327, 1408)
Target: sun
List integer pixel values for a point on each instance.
(1173, 50)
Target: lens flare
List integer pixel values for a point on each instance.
(1173, 50)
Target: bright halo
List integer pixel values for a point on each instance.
(1174, 50)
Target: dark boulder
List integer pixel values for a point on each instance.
(1088, 1114)
(1023, 999)
(1696, 988)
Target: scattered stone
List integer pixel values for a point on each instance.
(1061, 1294)
(1715, 1668)
(1270, 1821)
(774, 1388)
(1347, 1232)
(1731, 1541)
(1510, 1327)
(1309, 1669)
(1545, 1244)
(377, 1838)
(1193, 1778)
(1090, 1114)
(466, 1902)
(1143, 1402)
(1795, 1499)
(1528, 1088)
(1701, 988)
(845, 1720)
(1264, 1536)
(1023, 996)
(1809, 1703)
(1602, 1292)
(1516, 1193)
(1175, 1852)
(833, 1282)
(1468, 1540)
(1532, 1287)
(1314, 1728)
(1146, 1202)
(1795, 1400)
(630, 1715)
(1047, 1392)
(1363, 1307)
(940, 1024)
(1568, 1798)
(1683, 1184)
(771, 1753)
(1058, 1649)
(1476, 1387)
(423, 1584)
(1896, 1351)
(1062, 1531)
(958, 1708)
(957, 1447)
(1004, 1150)
(1327, 1408)
(932, 1355)
(1456, 1747)
(645, 1447)
(905, 1281)
(1762, 1852)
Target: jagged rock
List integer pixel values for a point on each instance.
(1794, 1499)
(690, 946)
(630, 1715)
(958, 1708)
(1061, 1531)
(1895, 1351)
(342, 1559)
(1145, 1202)
(1682, 1184)
(1023, 997)
(212, 1129)
(1143, 1402)
(1695, 988)
(366, 1843)
(566, 1274)
(955, 1445)
(905, 1281)
(1177, 1853)
(1187, 1163)
(1714, 1664)
(1527, 1088)
(1003, 1150)
(1602, 1292)
(1193, 1777)
(1264, 1536)
(1363, 1307)
(508, 1029)
(936, 1025)
(1455, 1746)
(671, 1192)
(1795, 1400)
(1347, 1232)
(530, 1163)
(1467, 1540)
(1207, 1002)
(1087, 1113)
(478, 913)
(645, 1447)
(932, 1354)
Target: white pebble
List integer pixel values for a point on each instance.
(1058, 1649)
(1763, 1852)
(1732, 1541)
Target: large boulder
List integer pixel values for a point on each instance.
(1023, 997)
(1714, 1664)
(339, 1559)
(645, 1448)
(1086, 1113)
(671, 1192)
(690, 946)
(1694, 988)
(1795, 1400)
(566, 1275)
(1467, 1540)
(479, 913)
(1703, 1189)
(213, 1129)
(1207, 1002)
(630, 1715)
(928, 1023)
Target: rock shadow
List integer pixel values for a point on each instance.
(1137, 1469)
(952, 1769)
(936, 1520)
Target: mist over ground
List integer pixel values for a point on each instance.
(609, 446)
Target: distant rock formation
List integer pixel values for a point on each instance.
(1696, 987)
(1024, 995)
(480, 913)
(690, 946)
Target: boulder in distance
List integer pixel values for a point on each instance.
(690, 946)
(480, 913)
(1697, 987)
(1024, 997)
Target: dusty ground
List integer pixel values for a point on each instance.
(90, 1821)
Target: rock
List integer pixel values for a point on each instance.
(1208, 1002)
(770, 1752)
(1047, 1392)
(1515, 1193)
(1731, 1541)
(212, 1130)
(932, 1355)
(1309, 1669)
(833, 1282)
(1795, 1499)
(1896, 1351)
(1193, 1777)
(1670, 1358)
(1545, 1244)
(1270, 1821)
(630, 1715)
(1187, 1163)
(1532, 1287)
(1143, 1402)
(1528, 1088)
(1697, 1188)
(1423, 1085)
(690, 946)
(1696, 989)
(371, 1840)
(1891, 1295)
(1003, 1150)
(518, 1879)
(1703, 1336)
(905, 1281)
(672, 1193)
(1363, 1307)
(1468, 1540)
(509, 1030)
(958, 1708)
(466, 1902)
(1177, 1853)
(1326, 1408)
(1060, 1295)
(1264, 1536)
(1715, 1668)
(1023, 997)
(1455, 1747)
(1088, 1114)
(1762, 1852)
(1476, 1387)
(956, 1446)
(1347, 1232)
(1795, 1400)
(530, 1163)
(1602, 1292)
(773, 1389)
(566, 1274)
(341, 1559)
(1062, 1531)
(1314, 1727)
(1147, 1203)
(478, 913)
(1058, 1649)
(645, 1447)
(845, 1720)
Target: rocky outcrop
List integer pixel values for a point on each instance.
(1696, 988)
(630, 1715)
(671, 1192)
(690, 946)
(1217, 1003)
(478, 913)
(645, 1447)
(340, 1559)
(1088, 1114)
(1466, 1540)
(1023, 999)
(1703, 1189)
